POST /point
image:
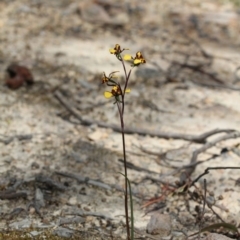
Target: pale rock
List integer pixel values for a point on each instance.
(120, 19)
(73, 200)
(98, 135)
(94, 13)
(57, 212)
(215, 236)
(25, 223)
(63, 232)
(221, 18)
(39, 198)
(159, 224)
(34, 233)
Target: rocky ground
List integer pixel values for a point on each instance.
(61, 149)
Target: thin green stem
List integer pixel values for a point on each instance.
(126, 83)
(124, 67)
(127, 76)
(125, 166)
(131, 205)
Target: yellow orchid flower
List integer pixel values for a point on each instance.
(104, 78)
(116, 50)
(111, 76)
(139, 59)
(116, 91)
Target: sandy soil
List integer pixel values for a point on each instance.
(67, 172)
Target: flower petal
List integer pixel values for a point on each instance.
(137, 61)
(108, 94)
(112, 51)
(127, 57)
(139, 55)
(127, 90)
(104, 78)
(114, 76)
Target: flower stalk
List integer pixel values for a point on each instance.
(118, 92)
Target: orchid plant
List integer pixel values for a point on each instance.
(117, 92)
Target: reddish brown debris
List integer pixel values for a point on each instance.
(17, 76)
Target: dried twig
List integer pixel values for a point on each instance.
(136, 168)
(8, 140)
(86, 180)
(188, 137)
(215, 85)
(79, 212)
(187, 173)
(96, 183)
(15, 212)
(204, 202)
(50, 182)
(207, 171)
(12, 195)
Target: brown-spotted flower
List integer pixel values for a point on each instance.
(104, 78)
(139, 59)
(116, 50)
(115, 92)
(110, 77)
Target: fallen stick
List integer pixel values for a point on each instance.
(129, 130)
(188, 172)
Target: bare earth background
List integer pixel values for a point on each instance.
(67, 173)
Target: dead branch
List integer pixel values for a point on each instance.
(207, 171)
(96, 183)
(15, 212)
(8, 140)
(12, 195)
(136, 168)
(50, 182)
(188, 137)
(215, 85)
(86, 180)
(79, 212)
(188, 172)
